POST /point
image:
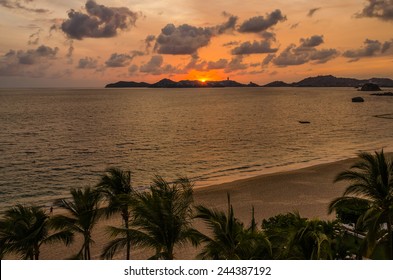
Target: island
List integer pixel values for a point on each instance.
(168, 83)
(318, 81)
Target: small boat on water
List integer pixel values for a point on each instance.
(304, 122)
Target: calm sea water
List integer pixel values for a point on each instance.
(55, 139)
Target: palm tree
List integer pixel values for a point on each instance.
(370, 183)
(230, 239)
(82, 215)
(315, 238)
(116, 187)
(161, 217)
(24, 229)
(294, 237)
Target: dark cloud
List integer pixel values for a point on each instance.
(304, 53)
(99, 22)
(268, 59)
(311, 42)
(149, 42)
(311, 12)
(290, 57)
(34, 38)
(236, 64)
(196, 64)
(31, 57)
(229, 25)
(30, 62)
(260, 23)
(118, 60)
(380, 9)
(370, 48)
(122, 60)
(70, 51)
(295, 25)
(187, 39)
(155, 66)
(386, 46)
(270, 36)
(219, 64)
(254, 47)
(87, 63)
(184, 39)
(323, 56)
(231, 43)
(16, 5)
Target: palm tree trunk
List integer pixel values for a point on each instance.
(126, 225)
(390, 236)
(36, 252)
(87, 247)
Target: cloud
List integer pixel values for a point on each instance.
(87, 63)
(34, 38)
(196, 64)
(370, 48)
(236, 64)
(304, 53)
(133, 69)
(231, 43)
(99, 21)
(70, 51)
(229, 25)
(118, 60)
(311, 42)
(30, 62)
(122, 60)
(16, 5)
(323, 56)
(311, 12)
(268, 59)
(295, 25)
(380, 9)
(148, 42)
(32, 56)
(155, 66)
(219, 64)
(260, 23)
(186, 39)
(255, 47)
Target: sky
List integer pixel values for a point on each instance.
(49, 43)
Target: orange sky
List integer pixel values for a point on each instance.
(90, 43)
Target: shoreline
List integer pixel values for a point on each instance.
(307, 190)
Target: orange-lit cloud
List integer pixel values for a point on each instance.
(103, 41)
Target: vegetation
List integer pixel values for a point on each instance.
(161, 218)
(115, 185)
(24, 229)
(82, 215)
(371, 188)
(230, 239)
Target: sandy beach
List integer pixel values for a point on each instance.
(307, 190)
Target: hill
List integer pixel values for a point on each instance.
(167, 83)
(331, 81)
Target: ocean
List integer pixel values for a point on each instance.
(52, 140)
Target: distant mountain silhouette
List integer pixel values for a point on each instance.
(331, 81)
(167, 83)
(123, 84)
(318, 81)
